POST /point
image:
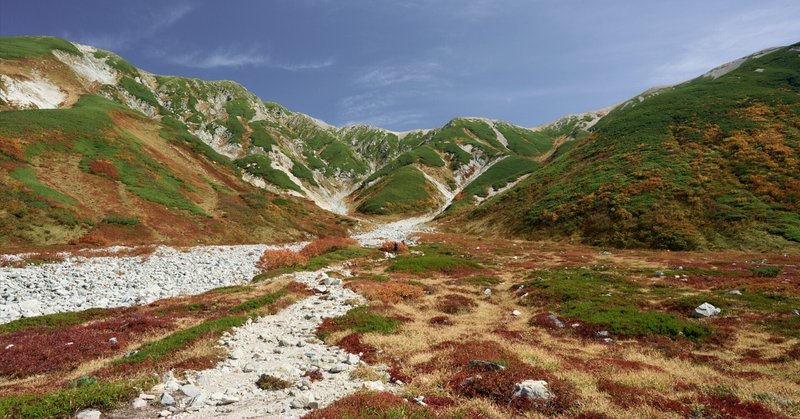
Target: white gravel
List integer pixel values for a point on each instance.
(79, 283)
(38, 93)
(284, 346)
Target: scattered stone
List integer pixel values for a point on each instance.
(516, 313)
(226, 400)
(337, 369)
(374, 386)
(796, 312)
(532, 389)
(556, 322)
(88, 414)
(138, 403)
(144, 396)
(250, 367)
(486, 365)
(197, 401)
(602, 334)
(9, 346)
(420, 400)
(735, 292)
(113, 341)
(164, 413)
(705, 310)
(167, 399)
(487, 292)
(660, 274)
(190, 390)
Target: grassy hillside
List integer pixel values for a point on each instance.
(100, 173)
(708, 163)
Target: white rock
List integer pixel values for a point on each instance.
(516, 313)
(144, 396)
(88, 414)
(190, 390)
(706, 310)
(735, 292)
(487, 291)
(139, 403)
(30, 308)
(167, 399)
(532, 389)
(373, 386)
(164, 413)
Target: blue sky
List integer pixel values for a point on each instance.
(418, 63)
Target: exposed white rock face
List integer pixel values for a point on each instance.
(532, 389)
(706, 310)
(88, 68)
(37, 93)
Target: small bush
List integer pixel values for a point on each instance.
(324, 245)
(766, 271)
(258, 302)
(359, 320)
(372, 405)
(313, 375)
(455, 304)
(123, 221)
(388, 246)
(440, 321)
(388, 292)
(423, 264)
(281, 258)
(104, 168)
(271, 383)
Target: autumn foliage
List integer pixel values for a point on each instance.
(388, 246)
(281, 258)
(327, 244)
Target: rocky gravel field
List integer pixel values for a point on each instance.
(79, 283)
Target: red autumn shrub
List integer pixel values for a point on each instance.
(454, 304)
(104, 168)
(313, 375)
(324, 245)
(475, 379)
(396, 374)
(352, 344)
(440, 321)
(281, 258)
(368, 405)
(388, 246)
(723, 406)
(626, 397)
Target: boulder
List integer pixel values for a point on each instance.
(88, 414)
(532, 389)
(705, 310)
(190, 390)
(167, 399)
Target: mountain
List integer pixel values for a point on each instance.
(89, 155)
(709, 163)
(94, 149)
(51, 88)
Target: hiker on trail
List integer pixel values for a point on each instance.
(396, 247)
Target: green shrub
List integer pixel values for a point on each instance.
(125, 221)
(14, 47)
(766, 271)
(439, 263)
(258, 302)
(170, 344)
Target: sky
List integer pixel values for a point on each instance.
(419, 63)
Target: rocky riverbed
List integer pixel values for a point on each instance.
(79, 283)
(282, 346)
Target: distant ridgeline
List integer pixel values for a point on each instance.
(87, 139)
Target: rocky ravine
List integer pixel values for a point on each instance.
(283, 345)
(79, 283)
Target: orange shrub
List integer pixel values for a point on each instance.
(325, 245)
(282, 258)
(388, 246)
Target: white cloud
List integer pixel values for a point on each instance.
(232, 58)
(730, 39)
(388, 75)
(148, 24)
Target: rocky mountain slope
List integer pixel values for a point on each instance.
(86, 156)
(713, 162)
(708, 163)
(283, 151)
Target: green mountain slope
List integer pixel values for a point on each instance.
(710, 163)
